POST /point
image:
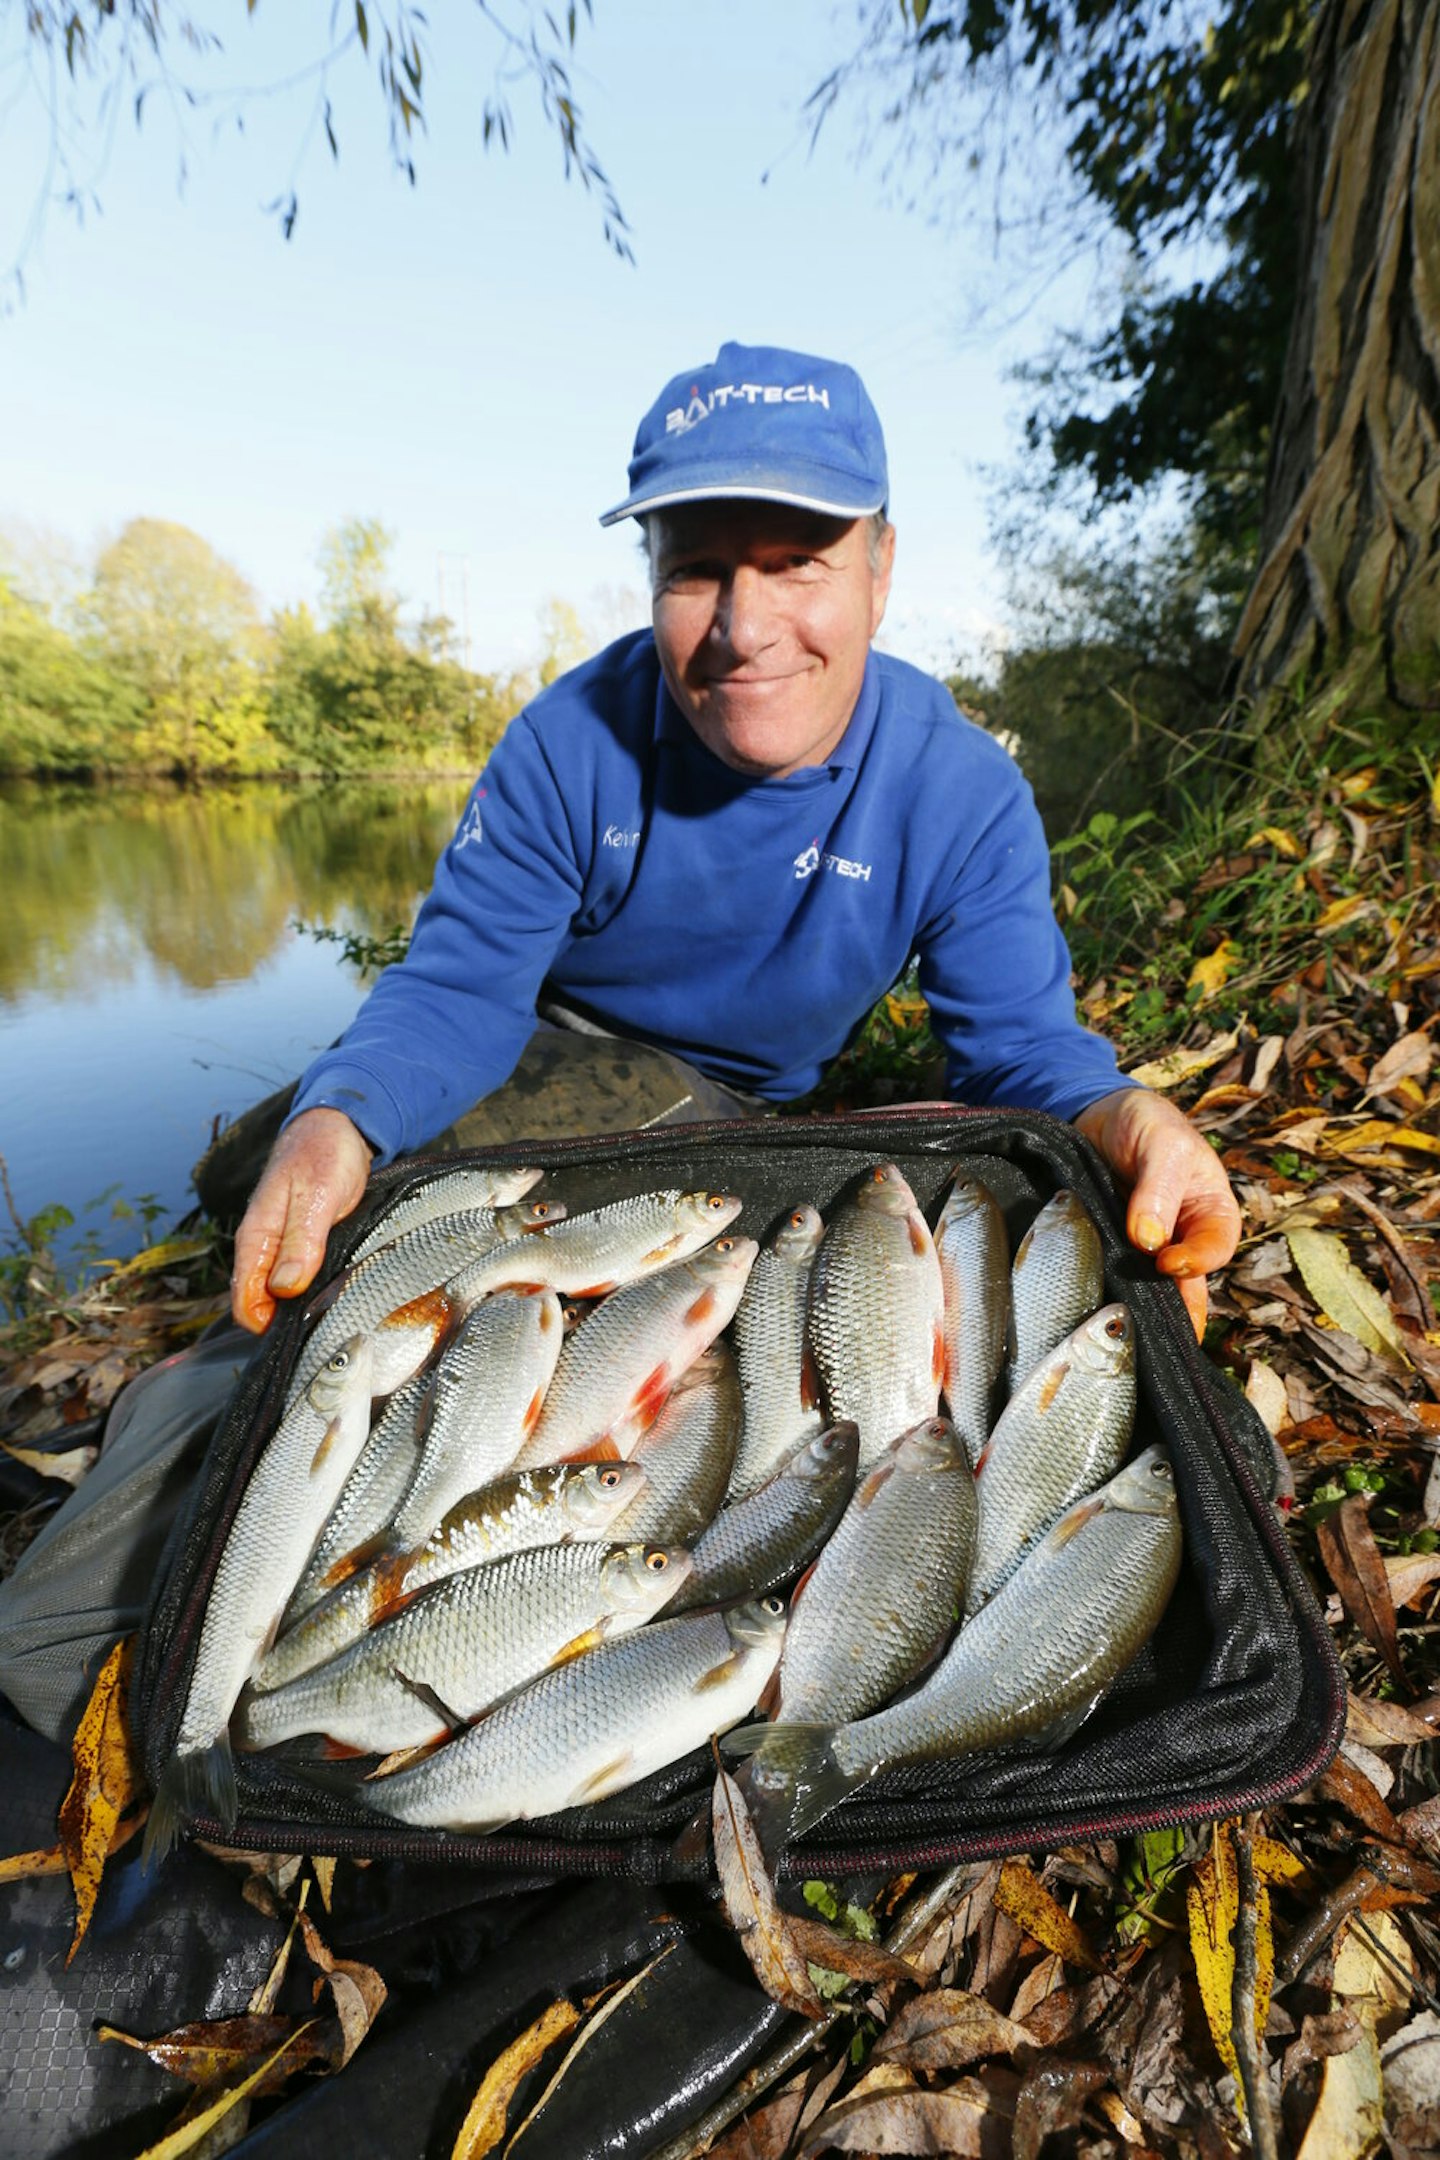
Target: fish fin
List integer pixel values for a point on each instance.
(697, 1313)
(602, 1450)
(793, 1778)
(195, 1781)
(602, 1782)
(770, 1700)
(532, 1412)
(423, 1692)
(866, 1493)
(717, 1675)
(650, 1397)
(599, 1289)
(798, 1591)
(809, 1381)
(350, 1563)
(980, 1460)
(1054, 1735)
(577, 1646)
(327, 1442)
(1051, 1388)
(388, 1593)
(341, 1751)
(405, 1758)
(937, 1356)
(1084, 1511)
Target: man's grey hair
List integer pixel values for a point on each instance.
(876, 527)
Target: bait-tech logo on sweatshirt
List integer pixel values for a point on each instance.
(810, 859)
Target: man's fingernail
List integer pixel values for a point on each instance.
(1151, 1232)
(287, 1277)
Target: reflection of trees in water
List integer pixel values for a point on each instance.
(204, 885)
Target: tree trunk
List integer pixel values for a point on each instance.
(1348, 590)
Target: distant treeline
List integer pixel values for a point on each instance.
(165, 665)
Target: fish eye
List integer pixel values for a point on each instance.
(1160, 1470)
(772, 1605)
(339, 1362)
(715, 1201)
(797, 1220)
(724, 1244)
(610, 1477)
(657, 1561)
(1115, 1328)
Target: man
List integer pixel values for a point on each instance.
(726, 837)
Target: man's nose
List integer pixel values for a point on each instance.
(744, 613)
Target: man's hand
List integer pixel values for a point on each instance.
(316, 1174)
(1181, 1209)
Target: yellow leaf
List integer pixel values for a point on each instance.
(67, 1466)
(1275, 1862)
(1341, 912)
(1024, 1897)
(324, 1877)
(196, 2127)
(1284, 843)
(1176, 1066)
(1348, 1299)
(1212, 1902)
(21, 1866)
(103, 1788)
(170, 1252)
(1378, 1133)
(484, 2124)
(1214, 971)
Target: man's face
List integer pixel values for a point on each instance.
(763, 618)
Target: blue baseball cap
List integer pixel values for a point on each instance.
(763, 423)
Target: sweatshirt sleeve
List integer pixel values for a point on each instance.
(995, 970)
(446, 1025)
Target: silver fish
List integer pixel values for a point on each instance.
(595, 1726)
(546, 1506)
(616, 1371)
(883, 1594)
(372, 1492)
(876, 1313)
(291, 1490)
(1067, 1430)
(1030, 1666)
(781, 1409)
(757, 1543)
(587, 1255)
(688, 1453)
(453, 1192)
(974, 1251)
(466, 1642)
(1057, 1280)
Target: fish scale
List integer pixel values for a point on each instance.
(373, 1491)
(688, 1453)
(757, 1543)
(1057, 1280)
(587, 1255)
(876, 1313)
(616, 1371)
(974, 1253)
(457, 1193)
(780, 1410)
(467, 1641)
(595, 1726)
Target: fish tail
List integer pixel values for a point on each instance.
(195, 1781)
(792, 1779)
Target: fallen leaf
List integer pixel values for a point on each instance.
(198, 2127)
(1372, 1133)
(1410, 2065)
(1052, 2098)
(1162, 1074)
(68, 1465)
(357, 1990)
(1346, 914)
(1322, 2034)
(103, 1788)
(1385, 1724)
(1409, 1058)
(1344, 1786)
(207, 2054)
(1043, 1978)
(766, 2132)
(1284, 843)
(1267, 1057)
(169, 1252)
(1410, 1575)
(1212, 1901)
(1265, 1393)
(23, 1866)
(751, 1906)
(1210, 974)
(827, 1947)
(1374, 1967)
(1024, 1897)
(485, 2118)
(324, 1871)
(957, 2121)
(1346, 1297)
(1353, 1562)
(948, 2029)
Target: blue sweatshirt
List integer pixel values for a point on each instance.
(745, 925)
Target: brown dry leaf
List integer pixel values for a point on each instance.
(1344, 1786)
(751, 1907)
(1421, 1824)
(1410, 2064)
(958, 2121)
(103, 1788)
(208, 2054)
(766, 2132)
(190, 2133)
(22, 1866)
(1331, 2032)
(1346, 914)
(1053, 2097)
(1410, 1058)
(1042, 1980)
(323, 1867)
(1029, 1904)
(68, 1466)
(1265, 1393)
(1267, 1057)
(1385, 1724)
(358, 1990)
(1409, 1575)
(1353, 1562)
(948, 2029)
(1348, 1299)
(822, 1945)
(485, 2119)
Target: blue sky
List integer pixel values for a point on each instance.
(466, 360)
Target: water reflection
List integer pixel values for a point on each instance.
(202, 886)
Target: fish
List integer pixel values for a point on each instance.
(404, 1289)
(465, 1642)
(595, 1726)
(587, 1255)
(544, 1506)
(1067, 1430)
(757, 1543)
(780, 1388)
(616, 1371)
(876, 1313)
(883, 1595)
(974, 1252)
(372, 1492)
(291, 1490)
(453, 1192)
(1029, 1668)
(1057, 1280)
(688, 1453)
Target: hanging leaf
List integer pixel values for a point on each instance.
(1029, 1904)
(485, 2119)
(765, 1936)
(105, 1785)
(1348, 1299)
(1353, 1563)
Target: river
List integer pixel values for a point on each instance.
(153, 980)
